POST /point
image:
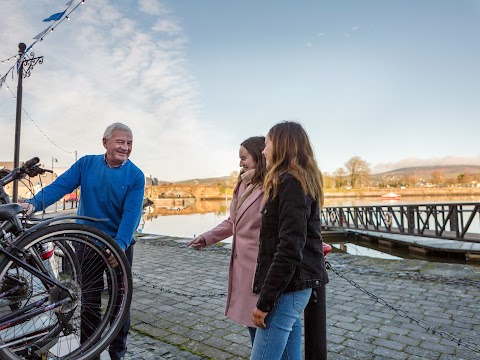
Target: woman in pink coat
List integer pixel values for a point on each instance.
(244, 225)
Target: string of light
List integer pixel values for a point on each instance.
(41, 36)
(8, 60)
(38, 128)
(50, 29)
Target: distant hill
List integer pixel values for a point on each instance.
(418, 172)
(225, 180)
(448, 171)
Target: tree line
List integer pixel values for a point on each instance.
(356, 173)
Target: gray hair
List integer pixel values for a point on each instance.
(115, 126)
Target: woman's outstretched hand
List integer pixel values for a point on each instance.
(198, 243)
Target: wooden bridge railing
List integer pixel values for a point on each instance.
(458, 221)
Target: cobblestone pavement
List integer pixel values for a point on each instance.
(168, 323)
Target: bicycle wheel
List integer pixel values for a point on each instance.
(95, 305)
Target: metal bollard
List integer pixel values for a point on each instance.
(315, 321)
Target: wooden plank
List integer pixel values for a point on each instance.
(425, 242)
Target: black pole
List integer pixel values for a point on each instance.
(315, 318)
(18, 121)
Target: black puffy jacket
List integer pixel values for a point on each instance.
(290, 256)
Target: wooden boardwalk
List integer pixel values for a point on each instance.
(423, 244)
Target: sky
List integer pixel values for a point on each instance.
(395, 82)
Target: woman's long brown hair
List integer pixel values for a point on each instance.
(292, 153)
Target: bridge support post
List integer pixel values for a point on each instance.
(411, 219)
(453, 210)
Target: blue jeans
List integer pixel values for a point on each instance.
(282, 338)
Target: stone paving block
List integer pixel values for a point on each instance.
(435, 346)
(368, 318)
(353, 353)
(152, 331)
(336, 356)
(462, 353)
(203, 327)
(377, 333)
(235, 338)
(217, 342)
(348, 326)
(406, 340)
(341, 318)
(176, 339)
(390, 354)
(422, 352)
(394, 329)
(335, 330)
(390, 344)
(359, 345)
(241, 352)
(337, 339)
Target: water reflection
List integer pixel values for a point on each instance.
(355, 249)
(185, 219)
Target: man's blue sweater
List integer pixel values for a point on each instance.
(115, 194)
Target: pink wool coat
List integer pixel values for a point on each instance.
(244, 225)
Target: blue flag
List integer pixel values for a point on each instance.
(55, 17)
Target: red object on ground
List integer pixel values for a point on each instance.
(326, 249)
(71, 197)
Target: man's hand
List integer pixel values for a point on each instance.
(28, 208)
(198, 243)
(258, 318)
(112, 260)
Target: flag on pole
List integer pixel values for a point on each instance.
(55, 17)
(40, 35)
(69, 3)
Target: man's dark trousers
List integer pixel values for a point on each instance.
(92, 269)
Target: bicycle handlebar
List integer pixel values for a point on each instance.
(30, 163)
(29, 168)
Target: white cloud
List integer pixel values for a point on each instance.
(107, 65)
(167, 26)
(152, 7)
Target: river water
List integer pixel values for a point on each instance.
(187, 218)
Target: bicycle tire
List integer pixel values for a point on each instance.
(115, 304)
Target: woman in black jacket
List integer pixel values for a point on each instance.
(290, 259)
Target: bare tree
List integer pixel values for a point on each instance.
(437, 177)
(358, 171)
(328, 181)
(340, 177)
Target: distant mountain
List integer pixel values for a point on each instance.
(448, 171)
(226, 180)
(418, 172)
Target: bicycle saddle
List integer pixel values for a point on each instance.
(8, 211)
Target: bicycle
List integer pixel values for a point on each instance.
(46, 273)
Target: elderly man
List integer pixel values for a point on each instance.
(112, 188)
